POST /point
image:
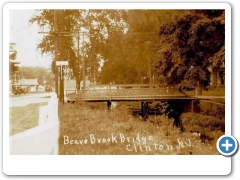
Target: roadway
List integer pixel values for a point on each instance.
(23, 100)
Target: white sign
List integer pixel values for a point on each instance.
(62, 63)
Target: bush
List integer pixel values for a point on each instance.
(190, 120)
(211, 109)
(209, 127)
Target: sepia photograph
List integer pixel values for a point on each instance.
(116, 81)
(134, 83)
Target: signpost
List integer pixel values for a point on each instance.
(61, 64)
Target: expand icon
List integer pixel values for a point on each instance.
(227, 145)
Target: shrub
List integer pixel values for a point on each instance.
(211, 109)
(209, 127)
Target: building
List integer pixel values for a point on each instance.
(30, 84)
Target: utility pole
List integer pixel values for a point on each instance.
(55, 51)
(56, 34)
(61, 93)
(61, 84)
(78, 59)
(83, 68)
(149, 71)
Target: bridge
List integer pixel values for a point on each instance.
(128, 92)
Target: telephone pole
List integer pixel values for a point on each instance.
(83, 68)
(55, 51)
(78, 62)
(55, 33)
(149, 70)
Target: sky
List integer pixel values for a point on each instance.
(26, 37)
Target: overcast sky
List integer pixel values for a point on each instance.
(26, 38)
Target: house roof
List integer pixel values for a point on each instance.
(29, 81)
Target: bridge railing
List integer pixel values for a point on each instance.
(127, 92)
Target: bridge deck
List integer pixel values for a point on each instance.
(128, 93)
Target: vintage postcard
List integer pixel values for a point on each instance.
(126, 82)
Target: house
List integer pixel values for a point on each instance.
(30, 84)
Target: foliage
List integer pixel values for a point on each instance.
(209, 127)
(136, 50)
(172, 109)
(94, 26)
(212, 109)
(12, 65)
(177, 47)
(118, 67)
(66, 21)
(192, 120)
(79, 121)
(129, 54)
(13, 56)
(101, 25)
(190, 45)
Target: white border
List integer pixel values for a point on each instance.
(116, 5)
(115, 165)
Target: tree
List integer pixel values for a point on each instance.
(94, 24)
(100, 25)
(189, 45)
(12, 64)
(40, 73)
(128, 51)
(118, 67)
(136, 46)
(67, 21)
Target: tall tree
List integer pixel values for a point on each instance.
(67, 21)
(137, 45)
(93, 24)
(189, 45)
(127, 51)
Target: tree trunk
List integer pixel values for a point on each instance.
(77, 82)
(199, 85)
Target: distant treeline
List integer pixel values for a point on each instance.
(43, 75)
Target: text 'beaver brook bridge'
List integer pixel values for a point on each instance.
(130, 92)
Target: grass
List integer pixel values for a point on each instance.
(23, 118)
(91, 129)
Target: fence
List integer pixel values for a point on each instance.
(119, 92)
(42, 139)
